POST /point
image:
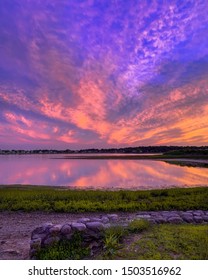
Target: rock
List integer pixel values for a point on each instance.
(175, 220)
(143, 216)
(35, 243)
(40, 232)
(173, 215)
(105, 220)
(90, 235)
(205, 218)
(165, 212)
(78, 226)
(83, 220)
(113, 217)
(160, 220)
(169, 214)
(198, 219)
(47, 225)
(95, 226)
(188, 218)
(189, 212)
(55, 229)
(69, 235)
(143, 213)
(51, 240)
(96, 220)
(66, 229)
(198, 212)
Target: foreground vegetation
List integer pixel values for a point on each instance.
(28, 198)
(164, 242)
(139, 241)
(64, 250)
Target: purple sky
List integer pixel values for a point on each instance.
(97, 73)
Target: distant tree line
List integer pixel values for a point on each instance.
(127, 150)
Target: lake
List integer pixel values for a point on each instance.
(55, 170)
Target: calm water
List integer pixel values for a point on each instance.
(95, 173)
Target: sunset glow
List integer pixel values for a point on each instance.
(96, 73)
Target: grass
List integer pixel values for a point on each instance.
(137, 226)
(164, 242)
(62, 200)
(64, 250)
(145, 242)
(112, 238)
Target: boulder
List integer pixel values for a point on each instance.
(145, 216)
(113, 217)
(160, 220)
(205, 218)
(66, 229)
(175, 220)
(55, 229)
(78, 226)
(187, 218)
(198, 212)
(96, 220)
(105, 220)
(35, 244)
(198, 219)
(95, 226)
(40, 232)
(51, 240)
(83, 220)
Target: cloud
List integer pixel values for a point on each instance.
(103, 73)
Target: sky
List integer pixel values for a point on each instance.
(103, 73)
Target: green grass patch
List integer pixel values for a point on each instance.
(138, 225)
(112, 238)
(63, 200)
(164, 242)
(65, 250)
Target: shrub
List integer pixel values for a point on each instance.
(138, 225)
(65, 249)
(112, 239)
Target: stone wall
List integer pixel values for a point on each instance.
(91, 229)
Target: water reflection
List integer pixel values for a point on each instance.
(141, 174)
